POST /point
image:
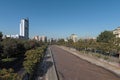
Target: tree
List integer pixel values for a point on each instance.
(1, 35)
(70, 43)
(116, 46)
(61, 41)
(105, 36)
(32, 58)
(31, 44)
(20, 48)
(8, 74)
(9, 47)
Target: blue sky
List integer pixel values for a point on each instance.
(60, 18)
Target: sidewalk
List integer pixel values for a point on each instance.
(98, 62)
(50, 67)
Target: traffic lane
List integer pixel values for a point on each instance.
(71, 67)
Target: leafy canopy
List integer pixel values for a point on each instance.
(105, 36)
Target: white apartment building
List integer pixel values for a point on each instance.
(41, 38)
(44, 38)
(12, 36)
(24, 28)
(117, 32)
(74, 37)
(36, 38)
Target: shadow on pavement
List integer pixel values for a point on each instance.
(48, 64)
(47, 57)
(45, 66)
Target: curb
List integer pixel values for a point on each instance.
(55, 66)
(52, 72)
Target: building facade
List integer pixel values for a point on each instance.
(44, 38)
(74, 37)
(41, 38)
(117, 32)
(24, 28)
(12, 36)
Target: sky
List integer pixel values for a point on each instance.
(60, 18)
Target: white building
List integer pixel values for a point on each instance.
(41, 38)
(117, 32)
(24, 28)
(44, 38)
(36, 38)
(74, 37)
(12, 36)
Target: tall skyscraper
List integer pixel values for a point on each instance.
(24, 28)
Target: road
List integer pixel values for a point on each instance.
(70, 67)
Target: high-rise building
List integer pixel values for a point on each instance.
(24, 28)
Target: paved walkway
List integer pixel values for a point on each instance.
(48, 67)
(98, 62)
(51, 72)
(71, 67)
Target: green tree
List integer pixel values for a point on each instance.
(61, 42)
(70, 43)
(32, 58)
(1, 35)
(30, 44)
(30, 62)
(105, 36)
(116, 46)
(1, 49)
(20, 48)
(8, 75)
(9, 47)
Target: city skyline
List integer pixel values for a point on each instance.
(60, 18)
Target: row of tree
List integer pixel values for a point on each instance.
(32, 59)
(28, 52)
(15, 47)
(106, 43)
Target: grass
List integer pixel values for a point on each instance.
(8, 59)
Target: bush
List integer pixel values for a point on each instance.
(8, 74)
(98, 55)
(106, 57)
(32, 58)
